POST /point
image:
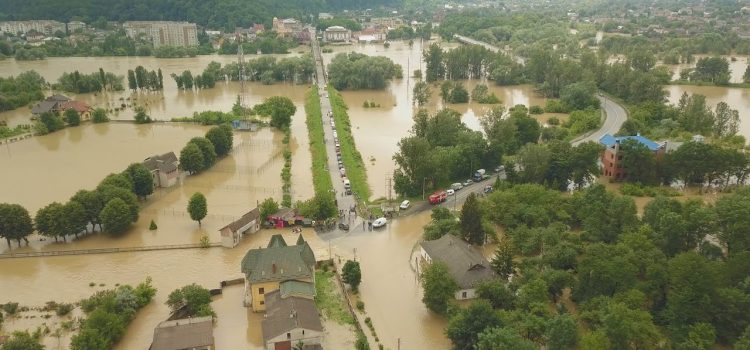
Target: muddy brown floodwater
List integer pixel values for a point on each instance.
(736, 98)
(378, 130)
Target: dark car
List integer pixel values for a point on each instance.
(344, 226)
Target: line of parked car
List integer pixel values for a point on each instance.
(441, 196)
(342, 169)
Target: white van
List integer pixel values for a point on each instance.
(347, 184)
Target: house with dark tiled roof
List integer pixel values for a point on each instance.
(266, 269)
(60, 103)
(232, 234)
(164, 169)
(289, 321)
(465, 264)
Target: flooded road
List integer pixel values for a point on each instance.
(378, 130)
(736, 98)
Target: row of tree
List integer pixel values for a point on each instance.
(80, 83)
(354, 71)
(21, 90)
(142, 79)
(677, 276)
(268, 70)
(206, 80)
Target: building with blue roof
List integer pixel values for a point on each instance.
(612, 158)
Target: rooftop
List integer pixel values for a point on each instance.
(166, 162)
(284, 315)
(279, 262)
(244, 220)
(609, 141)
(465, 264)
(184, 334)
(297, 289)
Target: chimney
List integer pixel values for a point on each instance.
(273, 268)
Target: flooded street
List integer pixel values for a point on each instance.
(736, 98)
(378, 130)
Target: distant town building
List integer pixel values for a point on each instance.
(287, 28)
(267, 268)
(290, 320)
(337, 34)
(612, 158)
(325, 16)
(45, 27)
(164, 169)
(191, 333)
(163, 33)
(232, 234)
(465, 264)
(390, 22)
(75, 25)
(371, 34)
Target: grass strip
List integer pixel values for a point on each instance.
(355, 167)
(330, 303)
(321, 177)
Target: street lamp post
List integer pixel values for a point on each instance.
(423, 180)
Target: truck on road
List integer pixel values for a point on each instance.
(479, 175)
(438, 197)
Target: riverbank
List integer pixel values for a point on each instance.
(706, 83)
(355, 167)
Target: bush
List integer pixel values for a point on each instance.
(10, 308)
(64, 309)
(361, 343)
(553, 121)
(360, 305)
(536, 110)
(152, 226)
(556, 106)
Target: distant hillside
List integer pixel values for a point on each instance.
(210, 13)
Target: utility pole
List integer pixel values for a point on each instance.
(241, 67)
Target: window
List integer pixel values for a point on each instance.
(303, 332)
(463, 295)
(262, 302)
(261, 290)
(289, 335)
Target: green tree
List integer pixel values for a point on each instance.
(99, 115)
(351, 274)
(639, 162)
(580, 95)
(143, 181)
(51, 121)
(629, 329)
(132, 84)
(562, 333)
(726, 120)
(75, 219)
(117, 180)
(22, 341)
(141, 117)
(642, 60)
(15, 223)
(421, 93)
(49, 220)
(191, 158)
(115, 216)
(497, 293)
(72, 118)
(471, 220)
(197, 207)
(502, 262)
(743, 343)
(92, 202)
(207, 149)
(439, 287)
(497, 338)
(734, 221)
(195, 300)
(280, 108)
(433, 57)
(221, 137)
(692, 288)
(267, 207)
(465, 326)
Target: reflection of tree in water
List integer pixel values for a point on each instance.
(50, 142)
(101, 129)
(75, 133)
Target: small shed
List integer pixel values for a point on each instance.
(232, 234)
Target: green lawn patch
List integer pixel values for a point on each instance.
(355, 167)
(321, 177)
(330, 303)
